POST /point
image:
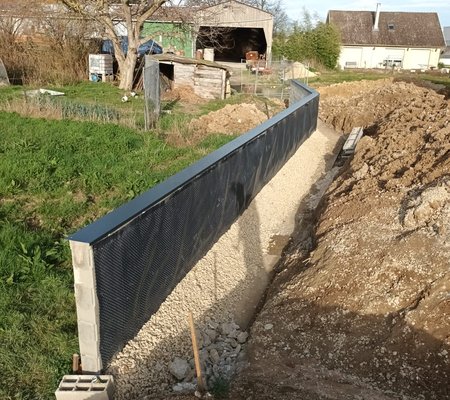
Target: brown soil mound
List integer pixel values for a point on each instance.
(367, 314)
(184, 94)
(231, 120)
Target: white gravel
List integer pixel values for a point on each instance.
(226, 284)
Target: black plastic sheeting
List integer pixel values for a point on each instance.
(143, 249)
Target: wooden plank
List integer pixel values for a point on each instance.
(209, 76)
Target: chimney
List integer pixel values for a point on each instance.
(377, 18)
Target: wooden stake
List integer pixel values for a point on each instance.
(198, 368)
(75, 363)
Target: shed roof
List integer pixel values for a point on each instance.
(230, 2)
(167, 57)
(411, 29)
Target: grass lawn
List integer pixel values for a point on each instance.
(55, 177)
(332, 77)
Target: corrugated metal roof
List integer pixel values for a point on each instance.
(409, 29)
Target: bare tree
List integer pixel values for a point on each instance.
(132, 14)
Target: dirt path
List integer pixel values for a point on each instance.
(366, 315)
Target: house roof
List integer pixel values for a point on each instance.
(411, 29)
(187, 14)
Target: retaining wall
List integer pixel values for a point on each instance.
(126, 263)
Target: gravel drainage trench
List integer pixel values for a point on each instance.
(224, 288)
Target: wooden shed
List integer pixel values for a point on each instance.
(208, 80)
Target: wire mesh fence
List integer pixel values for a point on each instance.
(268, 78)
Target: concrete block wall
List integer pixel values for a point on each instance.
(81, 387)
(88, 316)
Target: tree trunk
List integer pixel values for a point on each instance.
(127, 71)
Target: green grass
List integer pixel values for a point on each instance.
(86, 101)
(332, 77)
(55, 177)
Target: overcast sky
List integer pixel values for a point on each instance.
(442, 7)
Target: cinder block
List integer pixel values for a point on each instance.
(81, 387)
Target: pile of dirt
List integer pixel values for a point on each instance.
(367, 314)
(233, 119)
(184, 94)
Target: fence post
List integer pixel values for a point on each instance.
(152, 95)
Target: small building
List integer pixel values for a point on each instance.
(407, 40)
(208, 80)
(230, 29)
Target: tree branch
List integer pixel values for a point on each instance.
(149, 12)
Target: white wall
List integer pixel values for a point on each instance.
(374, 57)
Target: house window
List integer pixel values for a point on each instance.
(391, 27)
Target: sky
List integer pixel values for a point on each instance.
(442, 7)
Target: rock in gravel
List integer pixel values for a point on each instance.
(214, 356)
(206, 340)
(183, 387)
(232, 342)
(229, 329)
(242, 337)
(212, 334)
(179, 368)
(268, 327)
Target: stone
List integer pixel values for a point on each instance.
(229, 329)
(213, 325)
(179, 368)
(268, 327)
(214, 356)
(189, 376)
(212, 334)
(203, 354)
(242, 337)
(206, 340)
(199, 338)
(183, 387)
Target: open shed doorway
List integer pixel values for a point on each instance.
(231, 44)
(167, 76)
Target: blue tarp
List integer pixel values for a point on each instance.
(149, 47)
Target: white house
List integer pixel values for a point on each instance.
(408, 40)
